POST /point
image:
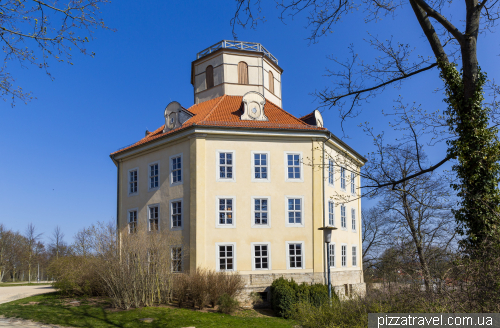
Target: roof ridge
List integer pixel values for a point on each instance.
(213, 108)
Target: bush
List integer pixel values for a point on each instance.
(227, 304)
(76, 276)
(285, 294)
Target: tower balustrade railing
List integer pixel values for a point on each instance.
(241, 45)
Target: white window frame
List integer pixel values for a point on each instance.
(172, 259)
(301, 169)
(343, 257)
(295, 225)
(149, 218)
(268, 255)
(268, 166)
(353, 183)
(342, 178)
(170, 173)
(217, 165)
(331, 172)
(171, 213)
(332, 246)
(150, 176)
(331, 213)
(128, 182)
(343, 218)
(354, 255)
(136, 210)
(268, 225)
(288, 255)
(354, 221)
(217, 269)
(225, 226)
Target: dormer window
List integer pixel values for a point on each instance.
(209, 75)
(172, 120)
(242, 73)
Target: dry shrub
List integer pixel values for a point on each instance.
(141, 274)
(181, 288)
(76, 276)
(205, 287)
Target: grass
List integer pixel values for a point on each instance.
(54, 309)
(2, 284)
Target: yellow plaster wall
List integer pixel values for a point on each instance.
(162, 195)
(243, 189)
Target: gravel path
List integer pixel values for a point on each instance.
(8, 294)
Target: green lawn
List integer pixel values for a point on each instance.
(53, 309)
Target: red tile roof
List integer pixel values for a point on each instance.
(226, 111)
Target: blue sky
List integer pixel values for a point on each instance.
(55, 150)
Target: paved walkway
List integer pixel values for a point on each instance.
(8, 294)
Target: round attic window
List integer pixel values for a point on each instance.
(254, 110)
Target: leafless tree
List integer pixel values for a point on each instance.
(376, 235)
(35, 31)
(32, 247)
(57, 245)
(358, 80)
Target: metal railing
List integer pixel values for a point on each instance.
(241, 45)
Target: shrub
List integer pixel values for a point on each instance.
(181, 288)
(76, 276)
(285, 294)
(227, 304)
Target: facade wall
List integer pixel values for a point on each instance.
(162, 195)
(201, 187)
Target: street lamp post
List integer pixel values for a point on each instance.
(327, 235)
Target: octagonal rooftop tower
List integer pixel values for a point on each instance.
(234, 68)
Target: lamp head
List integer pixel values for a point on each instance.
(327, 233)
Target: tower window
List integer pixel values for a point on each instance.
(271, 82)
(209, 74)
(242, 73)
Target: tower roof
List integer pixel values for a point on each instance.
(239, 45)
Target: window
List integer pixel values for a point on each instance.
(353, 219)
(343, 223)
(344, 255)
(331, 259)
(132, 181)
(209, 75)
(132, 221)
(295, 255)
(176, 213)
(261, 256)
(330, 172)
(154, 175)
(226, 257)
(293, 163)
(353, 187)
(342, 178)
(260, 163)
(242, 73)
(153, 217)
(260, 212)
(331, 213)
(175, 169)
(271, 82)
(176, 258)
(294, 211)
(225, 212)
(225, 163)
(354, 259)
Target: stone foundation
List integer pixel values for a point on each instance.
(345, 284)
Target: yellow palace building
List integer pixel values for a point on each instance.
(246, 183)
